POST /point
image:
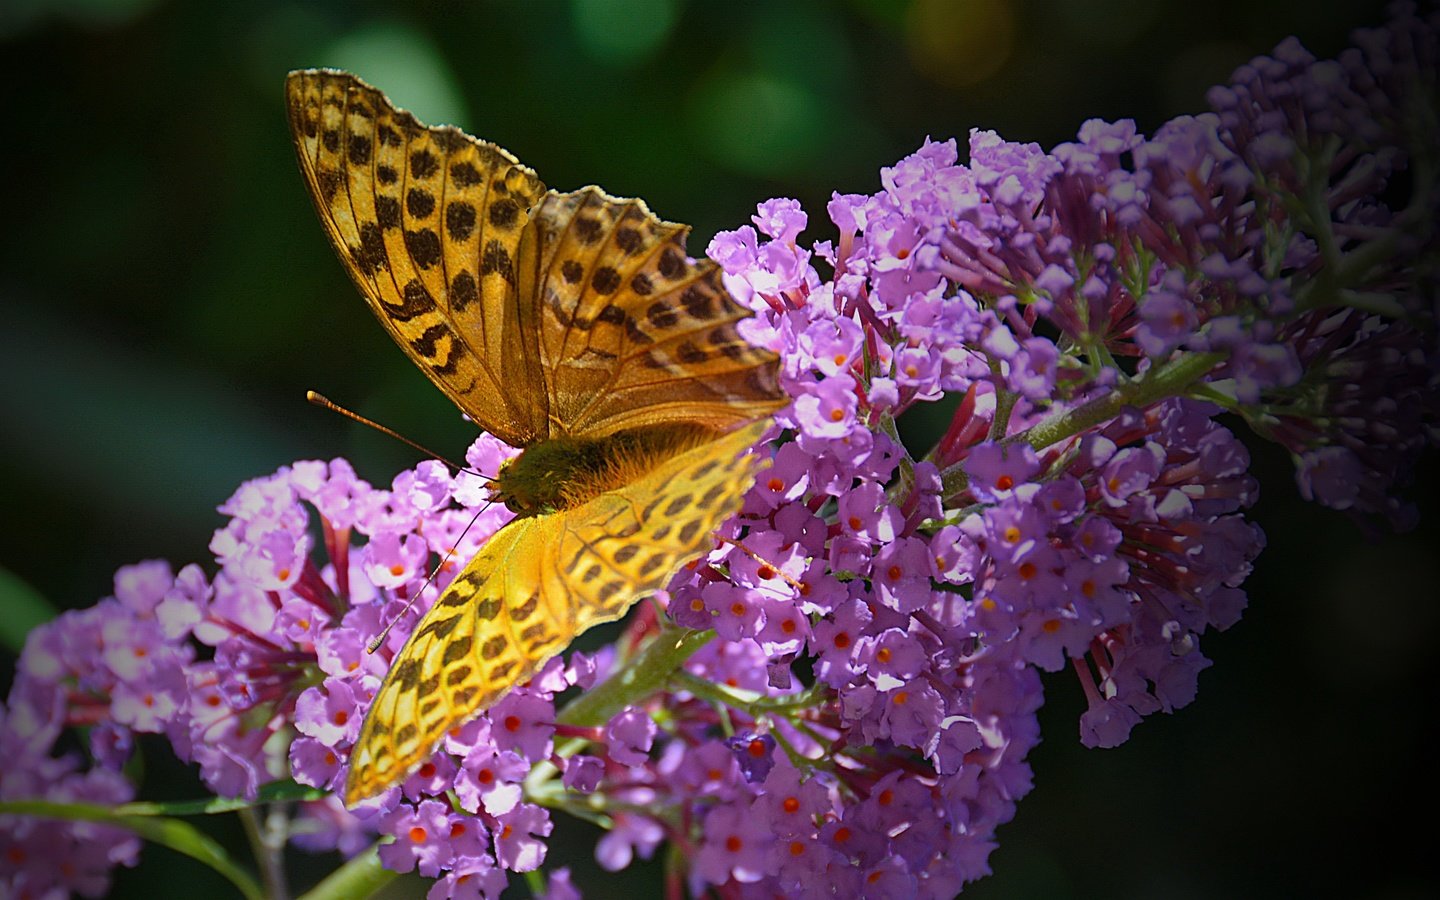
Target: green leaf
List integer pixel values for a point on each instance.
(179, 836)
(360, 876)
(274, 792)
(24, 609)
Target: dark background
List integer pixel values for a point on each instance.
(168, 297)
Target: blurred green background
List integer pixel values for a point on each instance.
(168, 297)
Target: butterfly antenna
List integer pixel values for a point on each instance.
(326, 403)
(783, 575)
(374, 645)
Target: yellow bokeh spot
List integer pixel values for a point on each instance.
(959, 42)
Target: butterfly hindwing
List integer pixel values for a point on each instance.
(462, 657)
(628, 543)
(633, 332)
(532, 588)
(428, 223)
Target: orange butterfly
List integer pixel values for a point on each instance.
(573, 325)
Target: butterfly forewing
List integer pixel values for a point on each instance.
(539, 314)
(634, 333)
(428, 223)
(534, 586)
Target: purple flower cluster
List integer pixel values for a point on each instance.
(860, 723)
(1292, 231)
(304, 633)
(925, 602)
(262, 673)
(44, 857)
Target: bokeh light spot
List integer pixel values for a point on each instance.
(406, 66)
(959, 42)
(758, 124)
(622, 31)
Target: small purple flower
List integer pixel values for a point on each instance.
(864, 513)
(525, 723)
(894, 655)
(517, 837)
(754, 752)
(827, 411)
(315, 763)
(791, 804)
(470, 878)
(912, 715)
(734, 847)
(1128, 471)
(583, 773)
(710, 770)
(421, 838)
(781, 219)
(995, 470)
(559, 886)
(490, 779)
(629, 735)
(631, 833)
(736, 611)
(902, 575)
(329, 713)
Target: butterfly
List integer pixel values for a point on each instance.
(572, 325)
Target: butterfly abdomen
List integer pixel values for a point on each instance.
(564, 472)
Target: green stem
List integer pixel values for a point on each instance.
(359, 876)
(647, 673)
(274, 792)
(173, 833)
(267, 856)
(901, 489)
(1004, 405)
(644, 674)
(1166, 380)
(954, 481)
(748, 701)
